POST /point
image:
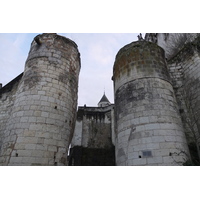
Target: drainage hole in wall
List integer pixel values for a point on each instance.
(55, 107)
(140, 156)
(16, 154)
(55, 163)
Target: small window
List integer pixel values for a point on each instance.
(147, 154)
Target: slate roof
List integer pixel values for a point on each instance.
(104, 99)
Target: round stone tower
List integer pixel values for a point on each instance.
(147, 123)
(43, 116)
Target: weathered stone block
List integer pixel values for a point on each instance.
(16, 160)
(41, 120)
(152, 126)
(154, 160)
(24, 153)
(167, 145)
(170, 138)
(30, 140)
(146, 140)
(37, 113)
(140, 161)
(30, 146)
(152, 146)
(28, 160)
(139, 147)
(169, 159)
(49, 154)
(37, 153)
(158, 139)
(41, 161)
(133, 155)
(162, 152)
(144, 120)
(20, 146)
(52, 148)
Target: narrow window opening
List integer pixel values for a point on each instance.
(147, 154)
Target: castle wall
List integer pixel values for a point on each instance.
(96, 131)
(93, 127)
(185, 72)
(77, 137)
(7, 97)
(92, 141)
(162, 40)
(113, 125)
(171, 41)
(41, 124)
(148, 126)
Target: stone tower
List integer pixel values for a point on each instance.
(43, 116)
(104, 101)
(148, 126)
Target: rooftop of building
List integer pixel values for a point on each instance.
(104, 99)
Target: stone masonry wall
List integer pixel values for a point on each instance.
(92, 141)
(148, 126)
(93, 127)
(41, 124)
(185, 72)
(96, 132)
(7, 97)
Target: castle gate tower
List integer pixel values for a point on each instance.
(42, 120)
(148, 126)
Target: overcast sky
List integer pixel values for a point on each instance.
(98, 51)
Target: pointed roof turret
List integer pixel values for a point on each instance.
(104, 101)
